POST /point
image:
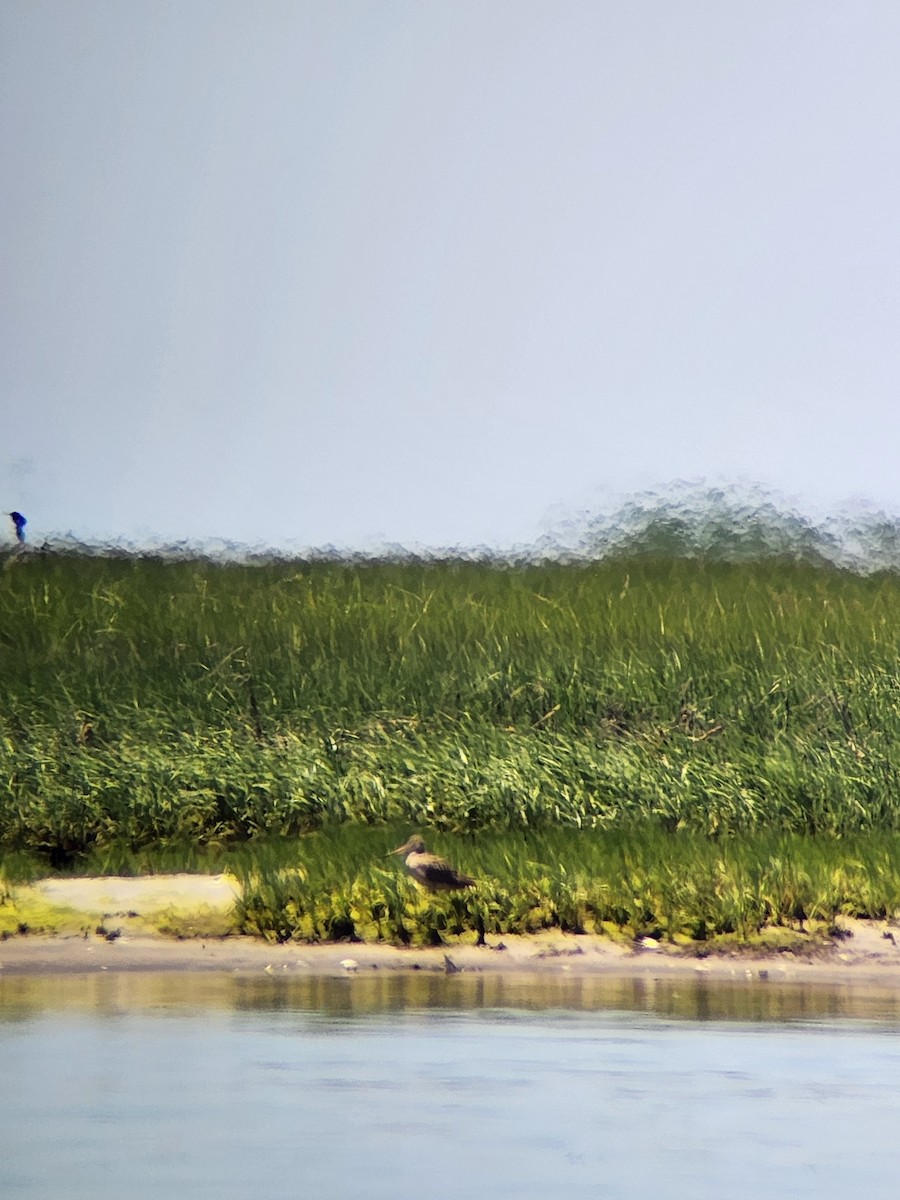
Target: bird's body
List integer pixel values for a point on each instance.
(429, 870)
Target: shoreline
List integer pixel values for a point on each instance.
(537, 956)
(185, 923)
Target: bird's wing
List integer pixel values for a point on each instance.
(437, 870)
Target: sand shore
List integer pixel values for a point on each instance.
(183, 923)
(539, 955)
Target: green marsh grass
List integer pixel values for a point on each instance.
(151, 709)
(339, 884)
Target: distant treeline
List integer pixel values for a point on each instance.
(713, 524)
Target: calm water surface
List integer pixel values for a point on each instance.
(193, 1086)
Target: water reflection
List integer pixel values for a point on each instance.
(374, 994)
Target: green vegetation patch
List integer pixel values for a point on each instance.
(146, 702)
(680, 888)
(659, 747)
(24, 911)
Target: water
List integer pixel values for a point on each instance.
(333, 1089)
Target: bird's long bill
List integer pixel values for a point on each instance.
(400, 850)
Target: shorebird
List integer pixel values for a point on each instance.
(432, 872)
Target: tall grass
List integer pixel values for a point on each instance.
(336, 884)
(147, 702)
(340, 884)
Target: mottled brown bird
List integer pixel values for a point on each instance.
(432, 872)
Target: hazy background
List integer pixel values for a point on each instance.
(441, 272)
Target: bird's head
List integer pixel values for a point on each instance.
(415, 845)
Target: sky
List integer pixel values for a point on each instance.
(441, 273)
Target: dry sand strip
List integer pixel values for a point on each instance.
(114, 924)
(537, 956)
(147, 893)
(114, 907)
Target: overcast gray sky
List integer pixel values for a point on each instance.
(438, 271)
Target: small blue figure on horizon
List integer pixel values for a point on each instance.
(19, 521)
